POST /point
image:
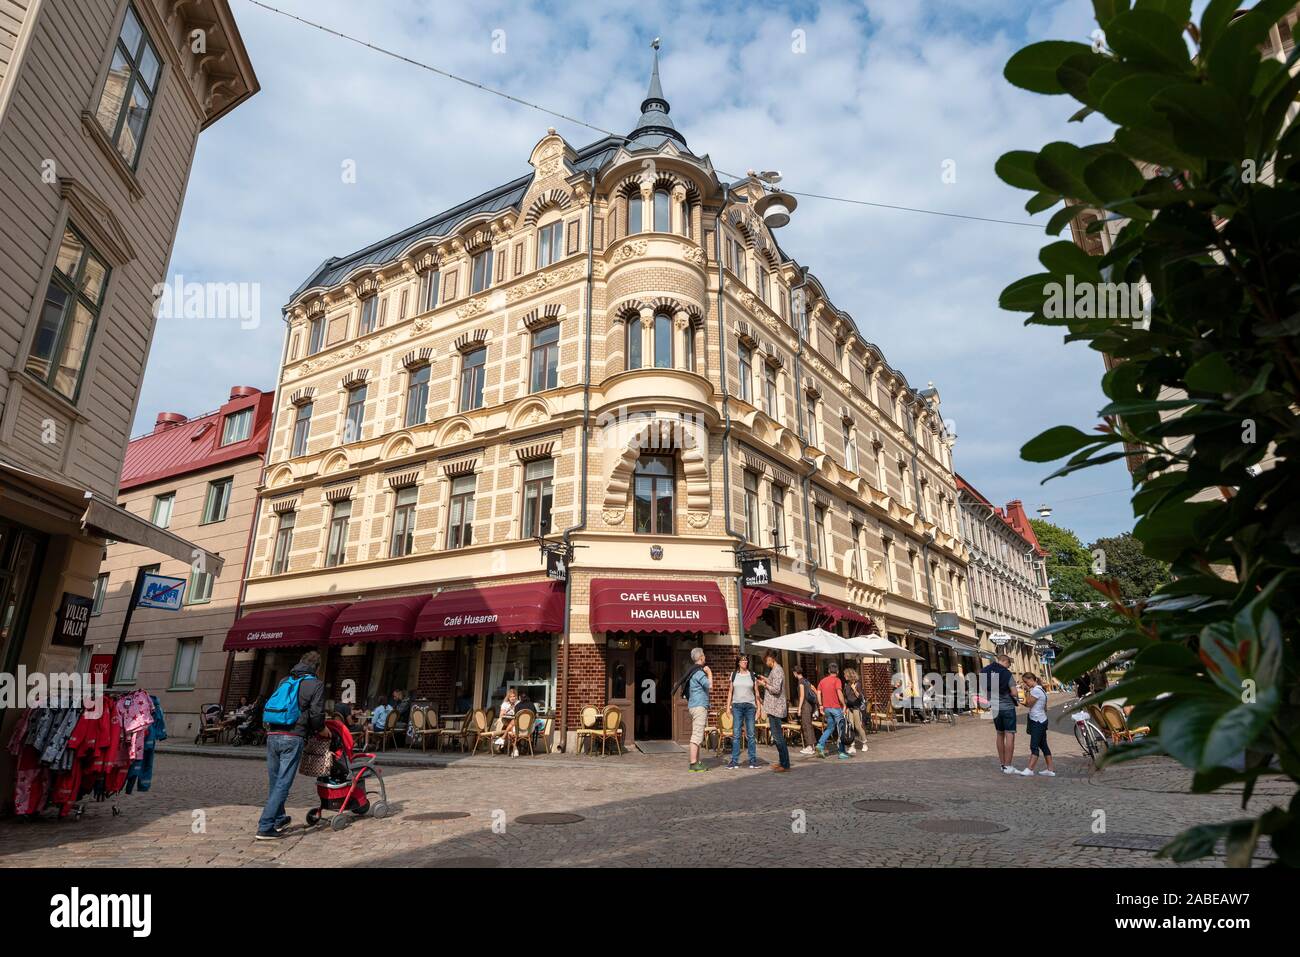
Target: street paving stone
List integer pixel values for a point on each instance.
(648, 811)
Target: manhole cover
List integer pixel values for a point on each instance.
(549, 818)
(890, 807)
(464, 862)
(959, 826)
(437, 816)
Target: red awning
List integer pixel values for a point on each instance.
(758, 598)
(532, 607)
(303, 626)
(637, 604)
(837, 614)
(383, 619)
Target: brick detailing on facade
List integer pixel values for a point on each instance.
(586, 680)
(437, 677)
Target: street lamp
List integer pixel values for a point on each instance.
(775, 207)
(1044, 511)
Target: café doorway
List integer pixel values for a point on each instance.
(659, 662)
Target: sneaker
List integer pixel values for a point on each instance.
(732, 767)
(844, 756)
(853, 749)
(1047, 774)
(1007, 769)
(753, 766)
(1024, 772)
(821, 752)
(779, 769)
(514, 752)
(270, 835)
(698, 766)
(283, 823)
(499, 742)
(808, 750)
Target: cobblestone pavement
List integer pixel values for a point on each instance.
(645, 810)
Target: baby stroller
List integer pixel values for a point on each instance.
(249, 728)
(353, 783)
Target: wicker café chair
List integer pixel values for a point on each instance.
(524, 721)
(588, 730)
(1117, 723)
(211, 726)
(546, 733)
(612, 727)
(459, 736)
(724, 730)
(481, 729)
(424, 725)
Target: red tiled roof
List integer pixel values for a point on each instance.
(1013, 515)
(178, 445)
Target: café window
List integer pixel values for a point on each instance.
(545, 359)
(100, 593)
(162, 509)
(355, 418)
(218, 501)
(417, 395)
(653, 487)
(127, 99)
(663, 342)
(128, 663)
(481, 275)
(526, 665)
(237, 427)
(337, 545)
(68, 316)
(460, 523)
(549, 244)
(471, 379)
(301, 429)
(752, 531)
(185, 669)
(538, 477)
(283, 542)
(403, 521)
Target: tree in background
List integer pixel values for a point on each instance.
(1200, 309)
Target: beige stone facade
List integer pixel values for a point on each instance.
(101, 105)
(687, 342)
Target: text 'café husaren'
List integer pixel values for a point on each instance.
(529, 443)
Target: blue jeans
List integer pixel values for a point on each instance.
(778, 738)
(834, 722)
(742, 716)
(283, 752)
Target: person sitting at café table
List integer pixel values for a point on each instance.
(505, 718)
(379, 717)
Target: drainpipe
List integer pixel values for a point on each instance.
(726, 412)
(806, 479)
(257, 511)
(586, 424)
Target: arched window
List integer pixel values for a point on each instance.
(663, 215)
(663, 342)
(634, 343)
(634, 205)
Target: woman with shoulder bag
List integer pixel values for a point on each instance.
(856, 709)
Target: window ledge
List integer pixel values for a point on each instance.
(124, 172)
(60, 401)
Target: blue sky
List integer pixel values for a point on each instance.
(885, 93)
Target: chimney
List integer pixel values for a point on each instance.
(168, 420)
(243, 392)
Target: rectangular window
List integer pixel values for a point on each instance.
(549, 239)
(68, 317)
(653, 486)
(763, 285)
(538, 478)
(545, 359)
(752, 531)
(127, 99)
(769, 389)
(850, 448)
(128, 663)
(856, 531)
(403, 521)
(481, 276)
(337, 546)
(819, 519)
(162, 509)
(746, 373)
(283, 542)
(778, 514)
(101, 592)
(471, 380)
(428, 290)
(460, 521)
(237, 427)
(218, 500)
(417, 395)
(692, 334)
(200, 587)
(316, 335)
(811, 406)
(301, 430)
(185, 670)
(369, 315)
(355, 418)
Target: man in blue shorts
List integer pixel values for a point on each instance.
(1002, 699)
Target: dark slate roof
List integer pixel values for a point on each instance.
(336, 269)
(654, 127)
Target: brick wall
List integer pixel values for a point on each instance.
(240, 684)
(586, 680)
(437, 675)
(877, 681)
(340, 669)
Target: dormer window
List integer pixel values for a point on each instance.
(237, 427)
(481, 277)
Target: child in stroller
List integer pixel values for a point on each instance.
(344, 786)
(248, 726)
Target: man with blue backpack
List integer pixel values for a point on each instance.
(295, 709)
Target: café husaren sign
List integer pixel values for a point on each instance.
(648, 600)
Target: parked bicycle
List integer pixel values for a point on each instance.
(1091, 738)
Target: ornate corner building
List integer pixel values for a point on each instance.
(612, 357)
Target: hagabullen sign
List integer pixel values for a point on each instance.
(628, 604)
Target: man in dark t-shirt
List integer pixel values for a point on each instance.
(1002, 699)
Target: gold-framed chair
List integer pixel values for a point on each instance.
(547, 733)
(588, 731)
(524, 721)
(724, 730)
(1117, 723)
(424, 725)
(611, 727)
(481, 730)
(389, 733)
(458, 735)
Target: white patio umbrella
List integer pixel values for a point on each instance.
(876, 646)
(814, 641)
